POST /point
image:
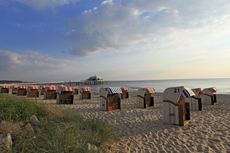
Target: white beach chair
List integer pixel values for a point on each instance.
(209, 98)
(195, 102)
(175, 109)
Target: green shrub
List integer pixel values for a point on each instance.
(62, 131)
(20, 109)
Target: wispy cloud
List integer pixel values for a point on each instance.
(3, 3)
(32, 65)
(19, 25)
(41, 4)
(160, 25)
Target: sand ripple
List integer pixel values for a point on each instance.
(144, 130)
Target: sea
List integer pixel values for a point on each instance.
(222, 84)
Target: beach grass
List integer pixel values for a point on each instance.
(59, 130)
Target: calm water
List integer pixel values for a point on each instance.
(223, 85)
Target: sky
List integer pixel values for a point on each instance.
(60, 40)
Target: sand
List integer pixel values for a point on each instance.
(144, 130)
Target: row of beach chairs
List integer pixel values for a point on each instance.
(63, 95)
(177, 101)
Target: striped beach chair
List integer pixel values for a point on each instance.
(64, 95)
(4, 89)
(32, 91)
(85, 93)
(50, 92)
(209, 98)
(175, 108)
(22, 91)
(110, 98)
(145, 98)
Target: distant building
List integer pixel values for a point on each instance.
(94, 80)
(96, 77)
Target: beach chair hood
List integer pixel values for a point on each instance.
(173, 94)
(33, 87)
(62, 89)
(105, 91)
(5, 87)
(142, 91)
(124, 88)
(210, 90)
(51, 88)
(86, 89)
(22, 87)
(198, 91)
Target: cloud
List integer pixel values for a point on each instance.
(3, 3)
(41, 4)
(31, 60)
(31, 65)
(19, 25)
(162, 25)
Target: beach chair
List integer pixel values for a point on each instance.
(42, 90)
(4, 89)
(64, 95)
(50, 92)
(209, 98)
(85, 93)
(13, 90)
(22, 91)
(10, 90)
(110, 98)
(75, 90)
(125, 93)
(32, 91)
(145, 98)
(175, 108)
(195, 102)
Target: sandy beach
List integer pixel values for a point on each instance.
(144, 130)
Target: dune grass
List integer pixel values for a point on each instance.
(60, 130)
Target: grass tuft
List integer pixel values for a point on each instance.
(60, 131)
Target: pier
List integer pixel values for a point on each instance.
(70, 83)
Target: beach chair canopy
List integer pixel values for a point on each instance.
(124, 88)
(173, 94)
(86, 89)
(114, 90)
(34, 87)
(210, 90)
(75, 88)
(42, 87)
(143, 91)
(5, 87)
(105, 91)
(22, 87)
(51, 88)
(198, 91)
(67, 88)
